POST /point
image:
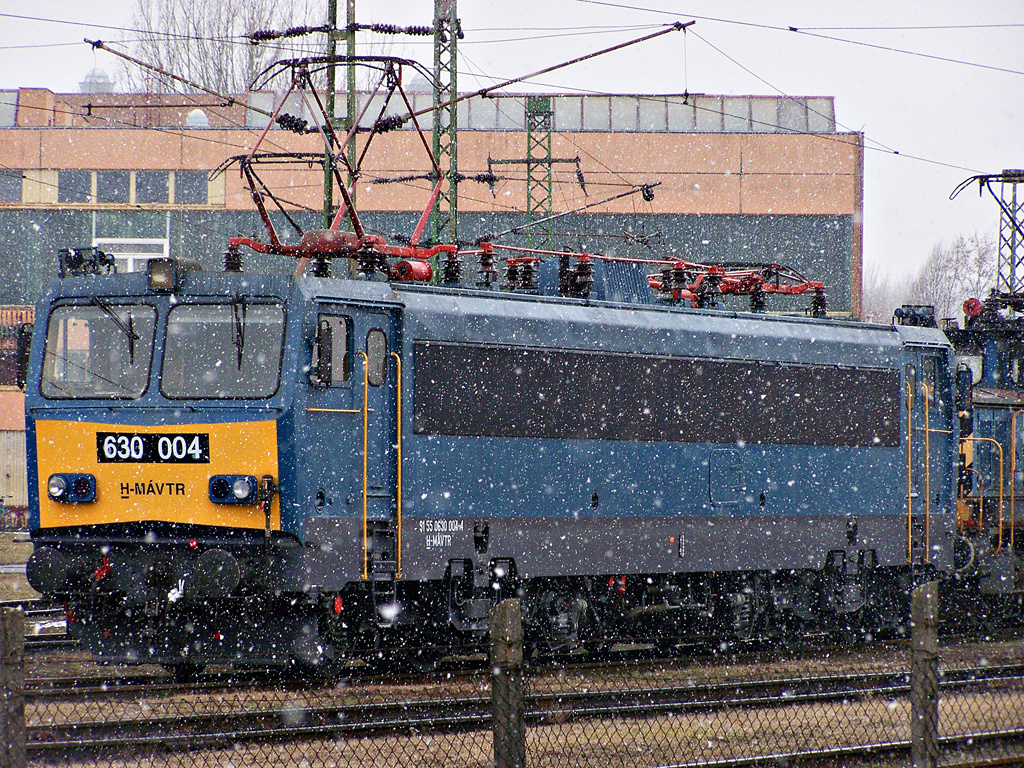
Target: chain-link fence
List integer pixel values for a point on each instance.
(882, 704)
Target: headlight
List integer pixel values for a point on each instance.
(233, 489)
(71, 487)
(57, 486)
(220, 488)
(242, 488)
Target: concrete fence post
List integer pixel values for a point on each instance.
(507, 696)
(12, 686)
(924, 675)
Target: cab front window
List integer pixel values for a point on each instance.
(98, 351)
(223, 351)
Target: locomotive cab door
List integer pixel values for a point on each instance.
(928, 410)
(353, 414)
(376, 378)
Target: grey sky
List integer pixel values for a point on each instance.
(946, 113)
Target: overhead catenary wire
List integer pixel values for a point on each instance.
(794, 131)
(811, 31)
(114, 28)
(673, 27)
(770, 85)
(279, 44)
(808, 31)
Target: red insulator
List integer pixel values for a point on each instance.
(972, 307)
(412, 271)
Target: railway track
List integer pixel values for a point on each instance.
(627, 661)
(346, 720)
(42, 618)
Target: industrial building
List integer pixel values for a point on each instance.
(739, 178)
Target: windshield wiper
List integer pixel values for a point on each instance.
(238, 312)
(128, 328)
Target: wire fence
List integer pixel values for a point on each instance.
(884, 705)
(13, 519)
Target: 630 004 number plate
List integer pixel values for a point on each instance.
(153, 448)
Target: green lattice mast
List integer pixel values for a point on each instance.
(446, 33)
(539, 199)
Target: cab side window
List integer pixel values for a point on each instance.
(938, 384)
(377, 356)
(331, 362)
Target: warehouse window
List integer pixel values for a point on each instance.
(74, 186)
(152, 187)
(113, 187)
(191, 187)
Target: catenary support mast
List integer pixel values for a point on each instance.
(446, 124)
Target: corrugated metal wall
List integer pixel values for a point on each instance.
(13, 482)
(818, 246)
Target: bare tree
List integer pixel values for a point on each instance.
(981, 265)
(954, 273)
(881, 294)
(938, 281)
(205, 42)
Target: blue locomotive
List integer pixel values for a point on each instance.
(249, 468)
(990, 351)
(263, 469)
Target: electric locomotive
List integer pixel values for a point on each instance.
(268, 469)
(265, 469)
(989, 350)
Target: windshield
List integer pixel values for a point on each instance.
(99, 350)
(223, 351)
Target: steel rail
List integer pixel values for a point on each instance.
(829, 758)
(50, 642)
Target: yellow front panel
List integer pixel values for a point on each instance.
(168, 492)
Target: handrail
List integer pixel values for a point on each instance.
(927, 474)
(981, 497)
(1013, 471)
(910, 474)
(398, 465)
(999, 545)
(366, 431)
